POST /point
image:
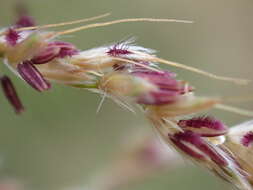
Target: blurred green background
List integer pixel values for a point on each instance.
(60, 141)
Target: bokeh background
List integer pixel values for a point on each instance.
(60, 142)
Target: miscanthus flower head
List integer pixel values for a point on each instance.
(38, 57)
(130, 75)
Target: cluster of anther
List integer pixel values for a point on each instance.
(167, 88)
(26, 69)
(52, 50)
(192, 139)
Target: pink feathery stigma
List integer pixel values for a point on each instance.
(193, 145)
(25, 21)
(12, 37)
(117, 50)
(32, 76)
(247, 139)
(11, 94)
(168, 88)
(204, 126)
